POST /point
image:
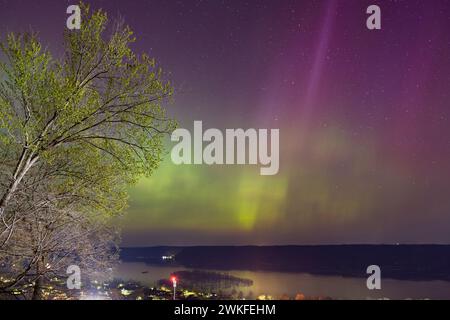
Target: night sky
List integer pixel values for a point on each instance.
(364, 117)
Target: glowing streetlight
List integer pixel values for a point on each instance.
(174, 282)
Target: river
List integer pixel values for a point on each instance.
(276, 284)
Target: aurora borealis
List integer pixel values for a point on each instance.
(364, 118)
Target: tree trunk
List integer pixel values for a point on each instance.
(7, 195)
(37, 284)
(37, 289)
(14, 182)
(23, 166)
(3, 205)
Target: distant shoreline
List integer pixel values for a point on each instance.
(402, 262)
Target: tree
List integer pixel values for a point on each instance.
(99, 106)
(74, 133)
(54, 230)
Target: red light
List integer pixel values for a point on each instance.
(174, 279)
